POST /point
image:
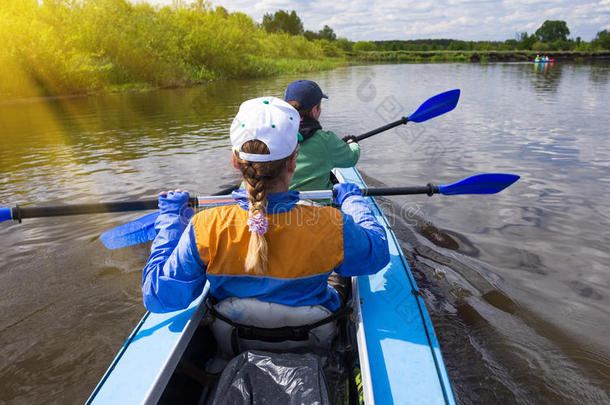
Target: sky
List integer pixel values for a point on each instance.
(359, 20)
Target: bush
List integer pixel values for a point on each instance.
(67, 46)
(344, 44)
(561, 45)
(540, 46)
(364, 46)
(329, 48)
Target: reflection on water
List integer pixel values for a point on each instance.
(516, 283)
(599, 74)
(546, 78)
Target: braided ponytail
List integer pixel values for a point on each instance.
(259, 176)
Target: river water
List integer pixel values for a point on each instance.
(517, 283)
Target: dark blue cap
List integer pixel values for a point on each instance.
(306, 92)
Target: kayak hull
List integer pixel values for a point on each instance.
(400, 358)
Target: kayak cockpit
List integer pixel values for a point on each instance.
(166, 356)
(289, 371)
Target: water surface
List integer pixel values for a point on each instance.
(517, 283)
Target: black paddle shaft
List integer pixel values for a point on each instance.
(391, 125)
(429, 189)
(18, 213)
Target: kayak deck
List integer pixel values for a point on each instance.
(400, 358)
(404, 356)
(145, 363)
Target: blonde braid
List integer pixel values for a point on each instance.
(259, 176)
(257, 257)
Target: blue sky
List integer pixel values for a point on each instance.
(455, 19)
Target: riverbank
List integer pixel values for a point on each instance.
(473, 56)
(270, 67)
(273, 67)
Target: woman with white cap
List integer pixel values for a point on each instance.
(266, 246)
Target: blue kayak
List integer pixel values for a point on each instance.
(397, 359)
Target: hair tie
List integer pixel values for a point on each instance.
(258, 224)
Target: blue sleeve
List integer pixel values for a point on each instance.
(365, 244)
(174, 274)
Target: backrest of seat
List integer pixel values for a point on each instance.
(253, 312)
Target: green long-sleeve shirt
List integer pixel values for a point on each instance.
(318, 155)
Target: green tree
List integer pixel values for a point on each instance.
(344, 43)
(602, 39)
(201, 5)
(222, 11)
(525, 41)
(552, 30)
(310, 35)
(327, 33)
(510, 44)
(456, 45)
(283, 21)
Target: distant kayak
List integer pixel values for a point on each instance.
(545, 61)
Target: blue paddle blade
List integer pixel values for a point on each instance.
(488, 183)
(138, 231)
(437, 105)
(5, 214)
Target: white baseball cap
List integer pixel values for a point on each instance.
(269, 120)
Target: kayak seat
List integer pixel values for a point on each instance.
(250, 324)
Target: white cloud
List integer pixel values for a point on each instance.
(411, 19)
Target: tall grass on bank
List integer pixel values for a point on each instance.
(54, 47)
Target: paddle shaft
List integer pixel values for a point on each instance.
(433, 107)
(391, 125)
(18, 213)
(429, 189)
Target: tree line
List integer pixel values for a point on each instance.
(552, 35)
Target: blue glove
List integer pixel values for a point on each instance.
(343, 190)
(175, 202)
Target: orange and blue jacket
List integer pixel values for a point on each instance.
(305, 244)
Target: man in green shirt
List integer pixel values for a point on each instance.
(320, 151)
